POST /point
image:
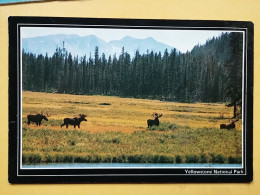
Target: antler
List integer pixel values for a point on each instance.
(235, 120)
(82, 115)
(47, 114)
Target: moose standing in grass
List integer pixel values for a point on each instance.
(229, 126)
(37, 118)
(155, 121)
(74, 121)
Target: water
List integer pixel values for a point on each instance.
(125, 165)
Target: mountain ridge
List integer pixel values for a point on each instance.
(85, 45)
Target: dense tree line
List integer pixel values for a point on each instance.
(209, 73)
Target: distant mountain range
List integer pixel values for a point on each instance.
(85, 45)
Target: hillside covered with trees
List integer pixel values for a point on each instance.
(209, 73)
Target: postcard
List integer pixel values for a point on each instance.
(130, 100)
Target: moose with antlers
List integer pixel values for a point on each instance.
(74, 121)
(37, 118)
(231, 125)
(155, 121)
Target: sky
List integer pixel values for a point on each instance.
(183, 40)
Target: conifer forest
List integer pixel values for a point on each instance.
(211, 72)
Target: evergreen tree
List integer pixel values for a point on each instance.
(70, 74)
(234, 67)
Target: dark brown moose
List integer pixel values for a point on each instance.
(229, 126)
(37, 118)
(155, 121)
(74, 121)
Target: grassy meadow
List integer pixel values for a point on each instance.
(116, 131)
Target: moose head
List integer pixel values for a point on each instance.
(83, 117)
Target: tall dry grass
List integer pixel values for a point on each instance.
(116, 131)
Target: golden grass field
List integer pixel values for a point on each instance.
(120, 127)
(124, 114)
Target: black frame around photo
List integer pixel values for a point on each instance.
(126, 175)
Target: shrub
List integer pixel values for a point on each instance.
(218, 158)
(161, 140)
(104, 104)
(155, 159)
(80, 159)
(59, 158)
(88, 158)
(120, 159)
(31, 158)
(166, 159)
(203, 158)
(50, 159)
(178, 159)
(107, 159)
(68, 158)
(114, 140)
(234, 160)
(192, 159)
(148, 158)
(25, 158)
(134, 158)
(96, 159)
(115, 160)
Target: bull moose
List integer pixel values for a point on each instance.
(229, 126)
(155, 121)
(37, 118)
(74, 121)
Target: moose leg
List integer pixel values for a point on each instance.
(67, 126)
(28, 122)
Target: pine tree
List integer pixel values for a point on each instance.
(70, 74)
(234, 68)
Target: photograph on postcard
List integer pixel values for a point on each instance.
(144, 99)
